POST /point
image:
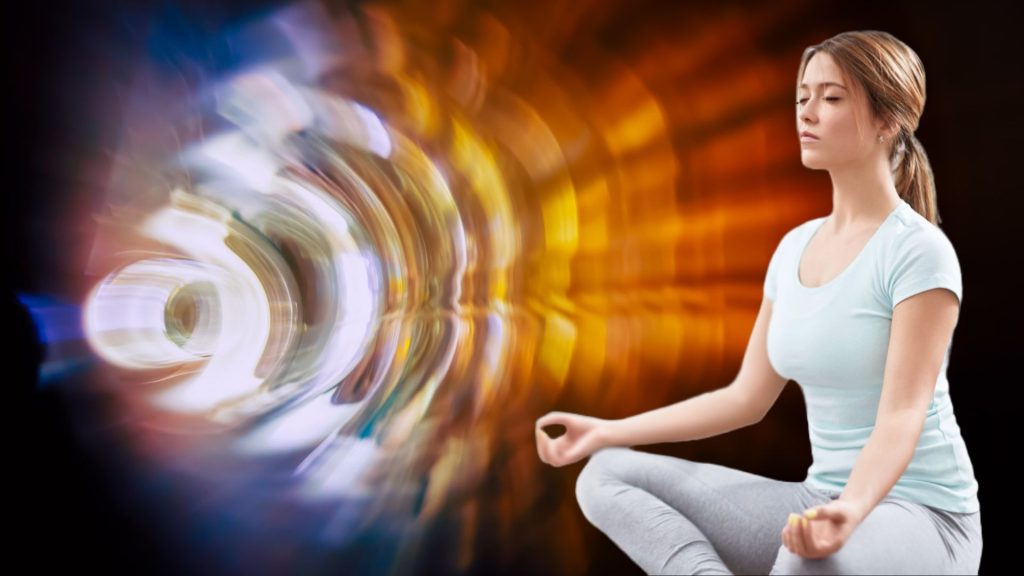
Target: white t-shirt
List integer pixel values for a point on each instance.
(833, 340)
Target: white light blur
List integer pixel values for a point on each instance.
(124, 317)
(244, 306)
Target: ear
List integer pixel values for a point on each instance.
(890, 129)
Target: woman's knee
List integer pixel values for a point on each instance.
(595, 473)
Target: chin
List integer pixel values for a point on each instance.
(813, 161)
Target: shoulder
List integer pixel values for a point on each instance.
(915, 236)
(919, 256)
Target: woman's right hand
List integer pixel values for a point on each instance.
(583, 436)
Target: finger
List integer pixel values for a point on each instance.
(551, 418)
(801, 536)
(826, 513)
(574, 453)
(807, 539)
(544, 443)
(787, 537)
(789, 532)
(796, 536)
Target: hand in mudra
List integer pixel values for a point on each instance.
(822, 530)
(583, 436)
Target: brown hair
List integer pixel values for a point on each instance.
(892, 77)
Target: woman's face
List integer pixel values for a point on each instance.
(834, 110)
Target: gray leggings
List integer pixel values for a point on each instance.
(676, 516)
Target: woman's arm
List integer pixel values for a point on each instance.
(884, 458)
(742, 403)
(703, 416)
(922, 328)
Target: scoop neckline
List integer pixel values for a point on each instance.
(856, 259)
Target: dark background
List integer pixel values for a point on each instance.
(70, 510)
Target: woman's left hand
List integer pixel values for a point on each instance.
(821, 530)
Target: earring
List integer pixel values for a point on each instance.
(881, 138)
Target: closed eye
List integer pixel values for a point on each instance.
(830, 98)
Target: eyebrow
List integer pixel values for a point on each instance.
(827, 84)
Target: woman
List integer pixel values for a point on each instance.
(859, 308)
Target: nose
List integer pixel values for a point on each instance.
(808, 113)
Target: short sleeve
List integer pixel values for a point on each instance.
(925, 260)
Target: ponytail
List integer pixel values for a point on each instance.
(914, 179)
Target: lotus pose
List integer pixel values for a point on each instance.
(859, 309)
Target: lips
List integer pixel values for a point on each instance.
(808, 134)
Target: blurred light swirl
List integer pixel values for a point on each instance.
(309, 283)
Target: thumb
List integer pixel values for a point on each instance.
(576, 452)
(826, 512)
